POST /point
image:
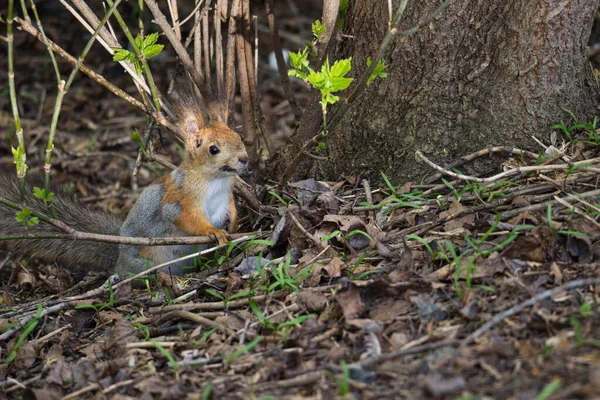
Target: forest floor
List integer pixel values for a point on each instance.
(349, 289)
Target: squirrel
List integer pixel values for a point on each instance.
(194, 199)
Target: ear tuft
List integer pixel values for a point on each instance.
(191, 127)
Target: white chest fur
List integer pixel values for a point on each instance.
(216, 201)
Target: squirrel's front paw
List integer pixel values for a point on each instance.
(220, 235)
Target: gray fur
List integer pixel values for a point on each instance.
(149, 218)
(177, 178)
(84, 254)
(171, 211)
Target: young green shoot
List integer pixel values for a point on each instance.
(344, 383)
(244, 350)
(168, 356)
(29, 327)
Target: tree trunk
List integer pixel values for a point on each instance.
(484, 73)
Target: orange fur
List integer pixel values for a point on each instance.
(199, 168)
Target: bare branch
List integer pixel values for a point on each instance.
(281, 65)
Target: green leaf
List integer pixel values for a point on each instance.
(24, 216)
(333, 234)
(298, 74)
(378, 72)
(549, 389)
(42, 195)
(138, 66)
(338, 84)
(341, 67)
(122, 55)
(299, 60)
(317, 79)
(318, 29)
(152, 50)
(150, 39)
(138, 42)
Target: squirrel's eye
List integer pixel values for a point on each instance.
(213, 150)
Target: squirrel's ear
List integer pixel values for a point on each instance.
(187, 107)
(193, 136)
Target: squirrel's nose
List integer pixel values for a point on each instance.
(242, 165)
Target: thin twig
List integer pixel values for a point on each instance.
(219, 46)
(29, 28)
(528, 303)
(189, 256)
(230, 82)
(22, 165)
(480, 153)
(281, 65)
(514, 171)
(577, 210)
(77, 235)
(214, 108)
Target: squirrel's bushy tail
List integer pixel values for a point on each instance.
(69, 210)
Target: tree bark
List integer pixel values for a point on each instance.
(485, 73)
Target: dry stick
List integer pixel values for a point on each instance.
(589, 205)
(182, 314)
(50, 310)
(249, 135)
(29, 28)
(199, 3)
(393, 31)
(77, 235)
(191, 35)
(577, 210)
(480, 153)
(535, 207)
(21, 166)
(140, 55)
(369, 197)
(200, 253)
(206, 45)
(230, 66)
(513, 171)
(205, 90)
(215, 306)
(521, 306)
(175, 17)
(300, 380)
(50, 52)
(259, 118)
(306, 233)
(108, 41)
(329, 19)
(198, 42)
(405, 352)
(218, 47)
(281, 65)
(255, 25)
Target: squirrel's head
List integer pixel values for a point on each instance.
(215, 150)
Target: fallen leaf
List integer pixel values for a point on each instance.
(350, 302)
(312, 301)
(440, 386)
(457, 223)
